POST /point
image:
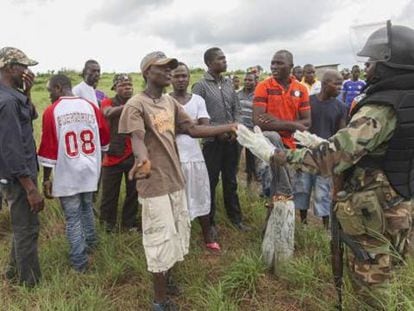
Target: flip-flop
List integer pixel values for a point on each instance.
(214, 247)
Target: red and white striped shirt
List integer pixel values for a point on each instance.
(74, 133)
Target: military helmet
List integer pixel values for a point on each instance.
(393, 45)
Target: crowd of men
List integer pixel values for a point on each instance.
(150, 140)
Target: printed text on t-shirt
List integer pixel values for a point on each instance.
(163, 122)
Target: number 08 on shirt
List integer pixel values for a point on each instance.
(74, 134)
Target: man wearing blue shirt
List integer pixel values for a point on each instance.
(352, 87)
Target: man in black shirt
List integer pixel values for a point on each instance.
(18, 164)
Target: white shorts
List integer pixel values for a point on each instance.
(166, 230)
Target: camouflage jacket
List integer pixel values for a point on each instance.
(368, 132)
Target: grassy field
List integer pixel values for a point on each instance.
(236, 280)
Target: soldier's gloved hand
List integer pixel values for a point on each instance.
(140, 170)
(256, 142)
(307, 139)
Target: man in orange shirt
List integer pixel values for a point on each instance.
(280, 107)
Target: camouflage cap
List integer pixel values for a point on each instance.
(119, 78)
(157, 58)
(10, 55)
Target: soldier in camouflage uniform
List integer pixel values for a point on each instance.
(374, 155)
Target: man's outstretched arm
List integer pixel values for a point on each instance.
(142, 165)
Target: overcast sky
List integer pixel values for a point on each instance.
(118, 33)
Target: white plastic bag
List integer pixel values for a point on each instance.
(256, 142)
(279, 238)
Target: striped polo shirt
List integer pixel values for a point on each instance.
(221, 99)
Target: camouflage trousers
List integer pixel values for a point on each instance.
(370, 278)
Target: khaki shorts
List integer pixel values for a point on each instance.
(166, 230)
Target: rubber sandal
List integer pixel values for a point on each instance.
(214, 247)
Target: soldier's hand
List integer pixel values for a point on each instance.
(36, 201)
(47, 189)
(140, 170)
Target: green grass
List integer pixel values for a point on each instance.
(236, 280)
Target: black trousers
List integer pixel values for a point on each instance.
(111, 185)
(24, 259)
(223, 157)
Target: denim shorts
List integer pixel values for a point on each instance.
(322, 193)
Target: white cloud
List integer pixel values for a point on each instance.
(123, 13)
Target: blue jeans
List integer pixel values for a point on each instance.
(265, 176)
(304, 182)
(80, 227)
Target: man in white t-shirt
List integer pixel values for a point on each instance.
(74, 133)
(197, 186)
(86, 89)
